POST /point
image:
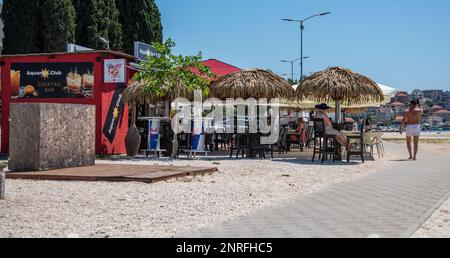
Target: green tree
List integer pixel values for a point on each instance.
(141, 21)
(167, 73)
(96, 19)
(21, 26)
(57, 25)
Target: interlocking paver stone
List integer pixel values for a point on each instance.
(392, 203)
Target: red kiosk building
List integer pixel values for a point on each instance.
(91, 78)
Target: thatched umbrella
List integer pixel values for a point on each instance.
(340, 85)
(136, 93)
(252, 83)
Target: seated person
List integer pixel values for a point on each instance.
(300, 128)
(368, 126)
(329, 130)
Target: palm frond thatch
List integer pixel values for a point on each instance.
(137, 93)
(339, 84)
(253, 83)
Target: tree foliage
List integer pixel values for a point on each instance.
(95, 19)
(21, 20)
(32, 26)
(57, 25)
(141, 21)
(168, 71)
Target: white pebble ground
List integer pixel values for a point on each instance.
(165, 209)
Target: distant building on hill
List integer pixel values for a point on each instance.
(445, 96)
(384, 115)
(397, 107)
(433, 94)
(417, 94)
(402, 97)
(447, 104)
(434, 120)
(445, 114)
(436, 108)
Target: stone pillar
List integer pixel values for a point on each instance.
(2, 185)
(51, 136)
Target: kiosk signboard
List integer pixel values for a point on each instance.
(52, 80)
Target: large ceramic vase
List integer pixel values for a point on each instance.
(133, 141)
(133, 137)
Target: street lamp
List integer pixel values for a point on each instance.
(105, 41)
(292, 65)
(302, 28)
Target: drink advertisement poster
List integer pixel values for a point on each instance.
(115, 113)
(115, 70)
(52, 80)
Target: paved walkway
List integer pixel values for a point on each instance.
(392, 203)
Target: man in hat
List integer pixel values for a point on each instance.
(329, 130)
(412, 118)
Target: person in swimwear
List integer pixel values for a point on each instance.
(412, 118)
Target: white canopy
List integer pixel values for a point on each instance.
(387, 91)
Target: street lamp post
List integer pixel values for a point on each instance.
(302, 28)
(106, 41)
(292, 65)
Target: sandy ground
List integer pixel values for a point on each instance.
(424, 135)
(166, 209)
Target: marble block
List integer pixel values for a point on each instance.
(51, 136)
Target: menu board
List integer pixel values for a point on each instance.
(52, 80)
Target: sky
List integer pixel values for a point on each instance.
(404, 44)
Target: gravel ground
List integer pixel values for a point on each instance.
(438, 226)
(166, 209)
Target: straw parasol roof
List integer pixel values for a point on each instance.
(339, 84)
(252, 83)
(136, 93)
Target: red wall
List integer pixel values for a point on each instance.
(102, 98)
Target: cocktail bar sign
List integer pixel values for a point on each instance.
(52, 80)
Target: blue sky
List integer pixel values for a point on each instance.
(401, 43)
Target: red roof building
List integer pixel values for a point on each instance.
(437, 108)
(397, 104)
(443, 113)
(349, 120)
(219, 68)
(402, 97)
